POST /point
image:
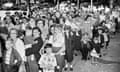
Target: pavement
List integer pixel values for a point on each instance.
(110, 62)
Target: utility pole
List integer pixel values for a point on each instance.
(91, 1)
(58, 4)
(78, 3)
(111, 3)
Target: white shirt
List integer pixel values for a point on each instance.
(48, 60)
(102, 17)
(20, 47)
(58, 41)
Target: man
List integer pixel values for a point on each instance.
(69, 48)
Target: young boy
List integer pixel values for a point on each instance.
(48, 60)
(12, 59)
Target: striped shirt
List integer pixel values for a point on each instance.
(7, 56)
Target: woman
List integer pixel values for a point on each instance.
(51, 32)
(43, 27)
(35, 47)
(28, 40)
(18, 43)
(57, 15)
(38, 42)
(50, 22)
(9, 22)
(12, 59)
(59, 47)
(32, 22)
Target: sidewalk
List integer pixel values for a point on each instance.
(108, 63)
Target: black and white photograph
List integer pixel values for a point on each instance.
(59, 36)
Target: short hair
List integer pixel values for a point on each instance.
(36, 28)
(40, 20)
(67, 28)
(11, 30)
(48, 45)
(24, 13)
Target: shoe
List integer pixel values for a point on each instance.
(100, 55)
(65, 69)
(71, 69)
(56, 70)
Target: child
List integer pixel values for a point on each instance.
(95, 53)
(48, 60)
(106, 39)
(85, 46)
(12, 59)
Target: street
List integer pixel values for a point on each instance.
(109, 62)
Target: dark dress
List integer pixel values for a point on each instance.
(69, 48)
(76, 41)
(85, 48)
(96, 46)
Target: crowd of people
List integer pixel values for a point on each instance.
(47, 39)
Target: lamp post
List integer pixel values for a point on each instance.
(111, 3)
(91, 1)
(28, 7)
(78, 3)
(58, 3)
(55, 2)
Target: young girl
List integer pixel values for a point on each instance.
(95, 53)
(85, 46)
(48, 60)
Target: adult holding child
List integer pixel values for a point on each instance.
(58, 43)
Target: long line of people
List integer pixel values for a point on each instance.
(43, 41)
